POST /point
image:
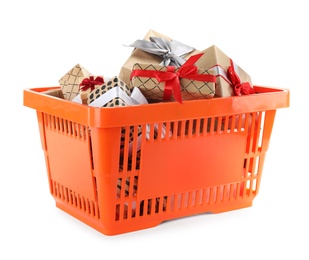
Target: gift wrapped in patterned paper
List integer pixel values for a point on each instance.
(231, 79)
(156, 49)
(70, 82)
(170, 83)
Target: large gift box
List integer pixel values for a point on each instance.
(156, 49)
(170, 83)
(231, 79)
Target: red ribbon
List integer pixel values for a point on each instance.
(171, 77)
(90, 83)
(239, 87)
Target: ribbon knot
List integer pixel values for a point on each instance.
(89, 83)
(168, 55)
(240, 88)
(172, 77)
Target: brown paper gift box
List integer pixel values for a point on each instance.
(218, 61)
(140, 56)
(70, 81)
(87, 85)
(190, 89)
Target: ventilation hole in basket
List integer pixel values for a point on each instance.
(185, 200)
(133, 209)
(178, 199)
(141, 208)
(201, 126)
(119, 187)
(227, 192)
(117, 212)
(242, 188)
(257, 163)
(262, 122)
(166, 131)
(212, 125)
(254, 185)
(191, 198)
(206, 196)
(195, 127)
(199, 197)
(248, 184)
(234, 190)
(125, 211)
(174, 128)
(127, 187)
(149, 206)
(213, 194)
(219, 193)
(164, 204)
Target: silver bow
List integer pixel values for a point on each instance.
(172, 52)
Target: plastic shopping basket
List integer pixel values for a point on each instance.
(124, 169)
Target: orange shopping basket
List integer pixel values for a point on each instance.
(124, 169)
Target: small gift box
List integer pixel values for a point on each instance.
(112, 93)
(70, 82)
(169, 83)
(89, 84)
(231, 79)
(156, 49)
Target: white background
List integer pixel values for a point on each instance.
(41, 41)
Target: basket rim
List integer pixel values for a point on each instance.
(266, 98)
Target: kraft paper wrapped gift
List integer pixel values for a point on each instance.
(87, 85)
(70, 82)
(231, 79)
(156, 49)
(169, 83)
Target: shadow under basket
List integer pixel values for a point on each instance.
(124, 169)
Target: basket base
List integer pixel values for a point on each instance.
(121, 227)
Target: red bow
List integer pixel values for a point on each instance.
(172, 77)
(239, 87)
(90, 83)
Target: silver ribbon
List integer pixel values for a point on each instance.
(172, 52)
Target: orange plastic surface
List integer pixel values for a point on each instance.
(130, 168)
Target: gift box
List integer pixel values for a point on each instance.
(169, 83)
(112, 93)
(156, 49)
(231, 79)
(87, 85)
(70, 82)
